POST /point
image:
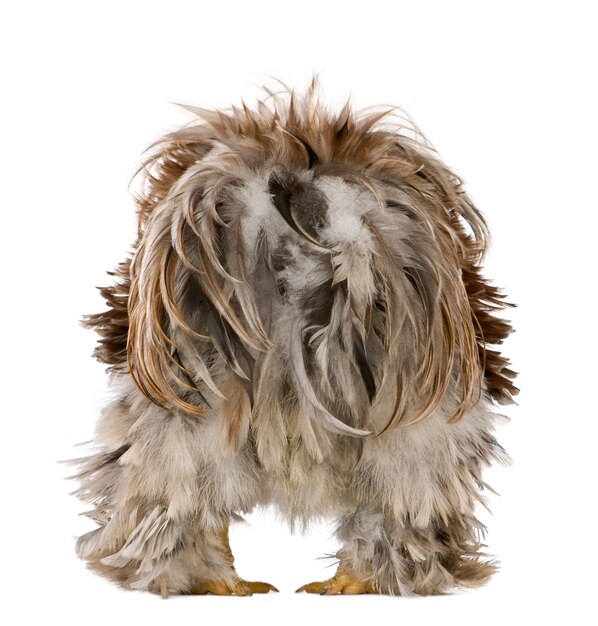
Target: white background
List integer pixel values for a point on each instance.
(505, 91)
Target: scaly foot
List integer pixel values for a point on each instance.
(341, 582)
(238, 588)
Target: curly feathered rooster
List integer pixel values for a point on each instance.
(303, 323)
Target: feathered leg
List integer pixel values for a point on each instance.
(398, 558)
(163, 502)
(414, 531)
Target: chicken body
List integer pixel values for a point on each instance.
(299, 326)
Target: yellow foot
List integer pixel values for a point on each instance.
(340, 583)
(238, 588)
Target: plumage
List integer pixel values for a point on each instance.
(303, 322)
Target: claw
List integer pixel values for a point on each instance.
(260, 587)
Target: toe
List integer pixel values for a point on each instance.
(355, 588)
(215, 587)
(242, 588)
(316, 587)
(260, 587)
(239, 587)
(334, 586)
